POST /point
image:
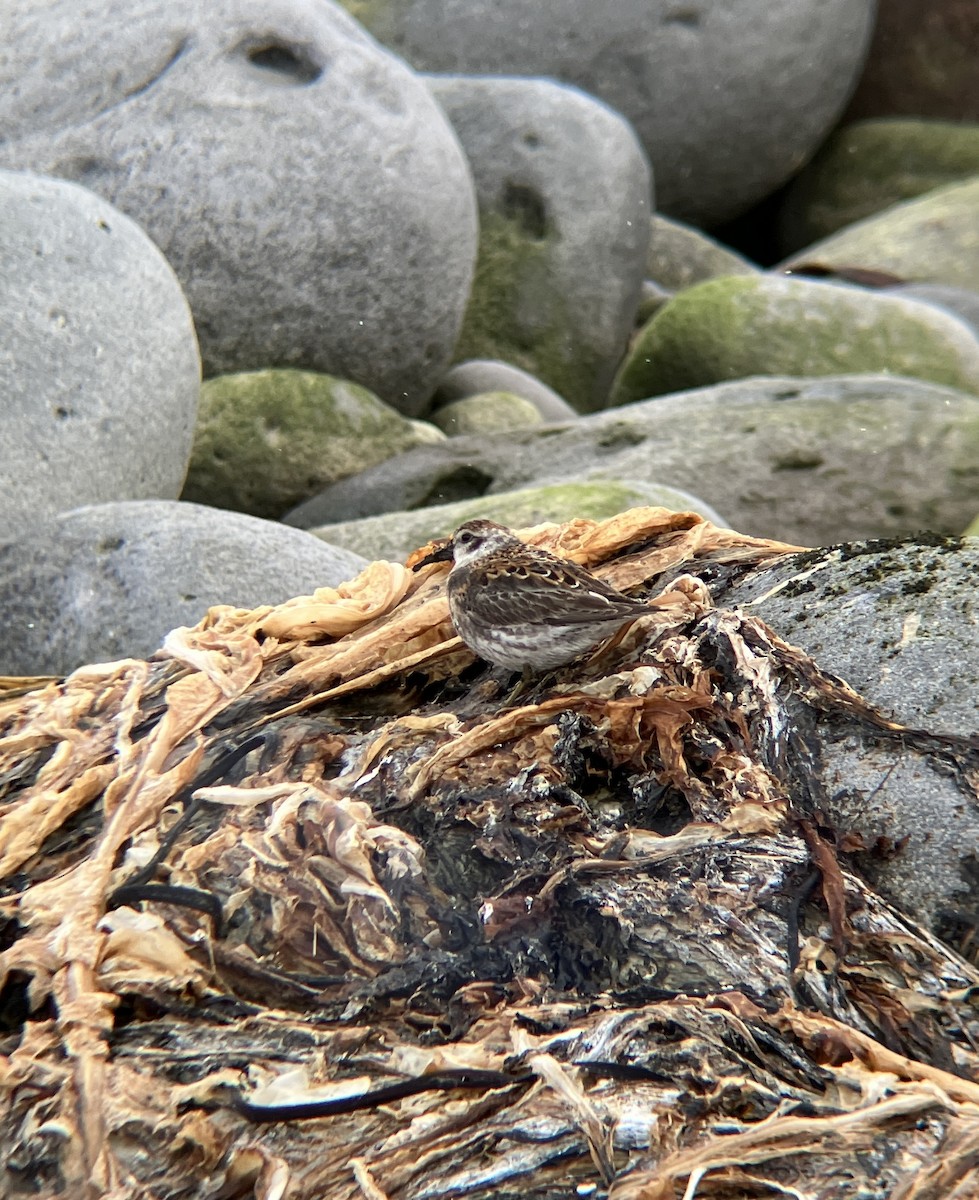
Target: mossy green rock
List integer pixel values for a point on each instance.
(872, 165)
(742, 326)
(681, 256)
(934, 239)
(267, 440)
(394, 535)
(486, 412)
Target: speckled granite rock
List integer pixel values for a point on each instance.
(109, 581)
(928, 240)
(564, 195)
(728, 98)
(740, 326)
(267, 440)
(287, 167)
(394, 535)
(99, 370)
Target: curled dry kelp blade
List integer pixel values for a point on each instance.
(306, 860)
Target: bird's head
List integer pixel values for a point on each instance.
(472, 540)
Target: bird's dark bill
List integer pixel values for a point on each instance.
(443, 554)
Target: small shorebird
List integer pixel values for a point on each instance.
(522, 608)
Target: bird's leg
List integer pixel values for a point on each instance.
(524, 682)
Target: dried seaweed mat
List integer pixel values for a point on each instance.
(302, 908)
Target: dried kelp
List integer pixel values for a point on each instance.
(301, 908)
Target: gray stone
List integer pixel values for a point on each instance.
(267, 440)
(729, 98)
(809, 461)
(564, 201)
(394, 535)
(897, 622)
(928, 240)
(110, 581)
(303, 184)
(743, 325)
(487, 412)
(475, 376)
(869, 166)
(680, 256)
(99, 370)
(960, 302)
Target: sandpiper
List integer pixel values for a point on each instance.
(523, 608)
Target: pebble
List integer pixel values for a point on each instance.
(680, 256)
(740, 326)
(487, 412)
(476, 376)
(267, 440)
(303, 183)
(99, 369)
(564, 194)
(109, 581)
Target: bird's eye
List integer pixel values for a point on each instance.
(465, 538)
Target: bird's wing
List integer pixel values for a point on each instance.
(545, 593)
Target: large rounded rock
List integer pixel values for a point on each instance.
(303, 183)
(99, 370)
(896, 622)
(729, 98)
(110, 581)
(740, 326)
(394, 535)
(808, 461)
(932, 239)
(564, 203)
(267, 440)
(922, 61)
(867, 167)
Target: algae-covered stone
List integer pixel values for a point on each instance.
(487, 412)
(564, 197)
(477, 375)
(266, 440)
(393, 535)
(680, 256)
(871, 165)
(741, 326)
(934, 239)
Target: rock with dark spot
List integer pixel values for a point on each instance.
(99, 370)
(564, 202)
(303, 183)
(729, 97)
(110, 581)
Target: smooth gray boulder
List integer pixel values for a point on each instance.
(729, 98)
(394, 535)
(808, 461)
(99, 369)
(110, 581)
(896, 621)
(303, 183)
(564, 192)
